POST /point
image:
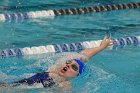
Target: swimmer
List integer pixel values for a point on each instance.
(66, 68)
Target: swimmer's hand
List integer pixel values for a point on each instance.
(106, 42)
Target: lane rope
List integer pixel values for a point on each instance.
(71, 11)
(117, 43)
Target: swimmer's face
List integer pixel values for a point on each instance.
(70, 69)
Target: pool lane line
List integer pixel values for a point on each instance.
(57, 48)
(70, 11)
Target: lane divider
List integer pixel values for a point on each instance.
(71, 11)
(117, 43)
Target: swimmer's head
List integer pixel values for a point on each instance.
(72, 68)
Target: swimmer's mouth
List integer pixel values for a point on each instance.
(65, 69)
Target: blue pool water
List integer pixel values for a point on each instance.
(111, 71)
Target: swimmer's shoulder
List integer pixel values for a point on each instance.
(57, 78)
(65, 85)
(60, 81)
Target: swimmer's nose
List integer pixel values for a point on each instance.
(68, 65)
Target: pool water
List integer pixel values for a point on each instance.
(111, 71)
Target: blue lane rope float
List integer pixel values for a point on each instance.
(117, 43)
(71, 11)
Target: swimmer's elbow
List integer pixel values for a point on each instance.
(84, 57)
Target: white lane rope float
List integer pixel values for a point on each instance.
(70, 11)
(56, 48)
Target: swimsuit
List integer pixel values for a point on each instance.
(40, 78)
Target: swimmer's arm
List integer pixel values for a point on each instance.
(65, 85)
(93, 51)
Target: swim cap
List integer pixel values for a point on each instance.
(81, 65)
